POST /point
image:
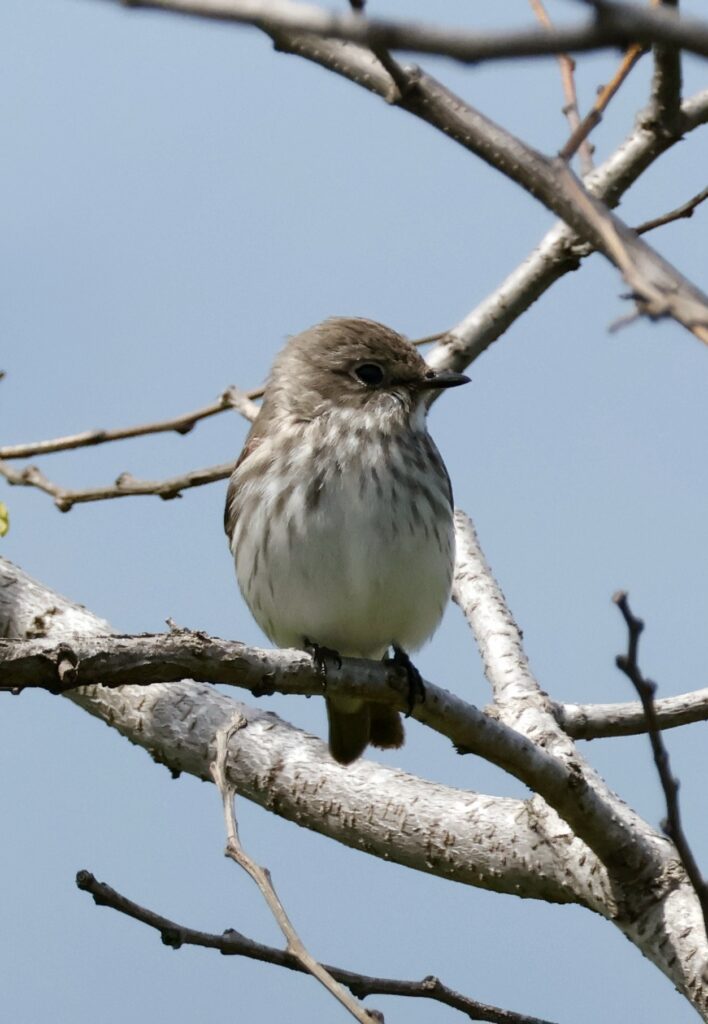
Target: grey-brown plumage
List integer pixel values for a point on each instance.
(339, 511)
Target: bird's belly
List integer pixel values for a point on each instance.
(357, 573)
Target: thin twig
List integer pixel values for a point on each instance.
(402, 79)
(125, 486)
(261, 876)
(646, 689)
(570, 108)
(234, 943)
(666, 82)
(683, 211)
(605, 94)
(231, 398)
(560, 250)
(429, 338)
(657, 287)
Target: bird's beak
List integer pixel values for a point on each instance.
(443, 379)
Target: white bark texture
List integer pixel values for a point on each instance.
(620, 868)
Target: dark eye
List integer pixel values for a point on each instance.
(370, 374)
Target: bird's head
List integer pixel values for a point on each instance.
(349, 363)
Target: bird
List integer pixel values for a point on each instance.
(339, 511)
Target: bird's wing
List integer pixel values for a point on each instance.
(253, 440)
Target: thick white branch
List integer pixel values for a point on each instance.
(529, 744)
(479, 596)
(495, 843)
(500, 844)
(598, 721)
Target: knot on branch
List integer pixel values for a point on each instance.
(172, 937)
(88, 882)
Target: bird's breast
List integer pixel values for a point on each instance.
(345, 540)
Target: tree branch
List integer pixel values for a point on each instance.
(672, 826)
(657, 288)
(666, 82)
(261, 876)
(454, 833)
(234, 943)
(126, 486)
(232, 398)
(570, 108)
(616, 25)
(684, 211)
(116, 661)
(555, 770)
(560, 250)
(482, 603)
(603, 721)
(592, 119)
(495, 843)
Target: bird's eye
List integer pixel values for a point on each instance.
(370, 374)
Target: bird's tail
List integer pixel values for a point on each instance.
(354, 724)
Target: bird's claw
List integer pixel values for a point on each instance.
(321, 656)
(416, 688)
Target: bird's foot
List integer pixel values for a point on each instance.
(322, 656)
(416, 689)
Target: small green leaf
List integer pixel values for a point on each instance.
(4, 519)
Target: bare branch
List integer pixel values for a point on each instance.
(617, 24)
(683, 211)
(498, 637)
(591, 120)
(557, 254)
(402, 79)
(496, 843)
(570, 109)
(555, 770)
(672, 827)
(232, 398)
(656, 286)
(456, 834)
(560, 251)
(602, 721)
(261, 876)
(234, 943)
(115, 662)
(666, 83)
(126, 486)
(648, 274)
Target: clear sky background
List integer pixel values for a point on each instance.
(177, 198)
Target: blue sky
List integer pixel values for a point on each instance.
(177, 199)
